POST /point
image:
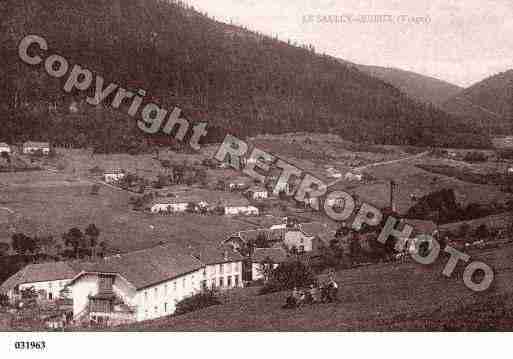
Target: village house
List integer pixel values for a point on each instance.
(353, 177)
(239, 184)
(47, 279)
(32, 147)
(240, 209)
(4, 147)
(257, 193)
(113, 175)
(178, 205)
(148, 284)
(307, 237)
(262, 257)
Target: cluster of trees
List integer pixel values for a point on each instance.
(84, 243)
(77, 244)
(214, 72)
(287, 276)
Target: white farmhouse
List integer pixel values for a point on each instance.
(235, 210)
(4, 147)
(31, 147)
(113, 175)
(178, 205)
(47, 279)
(148, 284)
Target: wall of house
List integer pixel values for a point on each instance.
(298, 239)
(172, 207)
(224, 275)
(247, 210)
(113, 177)
(160, 300)
(52, 288)
(81, 289)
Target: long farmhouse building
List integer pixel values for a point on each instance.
(148, 284)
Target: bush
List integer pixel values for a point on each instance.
(197, 302)
(287, 276)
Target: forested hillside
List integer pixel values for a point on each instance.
(419, 87)
(489, 103)
(237, 80)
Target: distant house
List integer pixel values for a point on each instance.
(352, 176)
(239, 184)
(235, 210)
(148, 284)
(4, 147)
(32, 147)
(177, 205)
(113, 175)
(47, 279)
(257, 193)
(308, 237)
(263, 257)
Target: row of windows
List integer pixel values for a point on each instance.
(166, 288)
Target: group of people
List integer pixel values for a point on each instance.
(323, 293)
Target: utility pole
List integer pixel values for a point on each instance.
(392, 186)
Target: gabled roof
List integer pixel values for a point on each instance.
(275, 254)
(43, 272)
(152, 266)
(215, 255)
(147, 267)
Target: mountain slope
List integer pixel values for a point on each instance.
(419, 87)
(489, 102)
(237, 80)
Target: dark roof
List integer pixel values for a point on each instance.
(147, 267)
(43, 272)
(276, 255)
(214, 255)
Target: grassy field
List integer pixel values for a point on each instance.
(375, 297)
(45, 203)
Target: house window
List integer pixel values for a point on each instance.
(50, 296)
(229, 282)
(156, 309)
(174, 286)
(221, 284)
(183, 283)
(236, 280)
(203, 285)
(221, 268)
(145, 296)
(165, 307)
(165, 289)
(301, 249)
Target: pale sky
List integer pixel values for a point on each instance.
(460, 41)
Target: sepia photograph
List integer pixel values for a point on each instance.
(241, 172)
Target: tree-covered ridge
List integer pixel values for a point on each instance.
(237, 80)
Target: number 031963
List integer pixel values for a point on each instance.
(30, 345)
